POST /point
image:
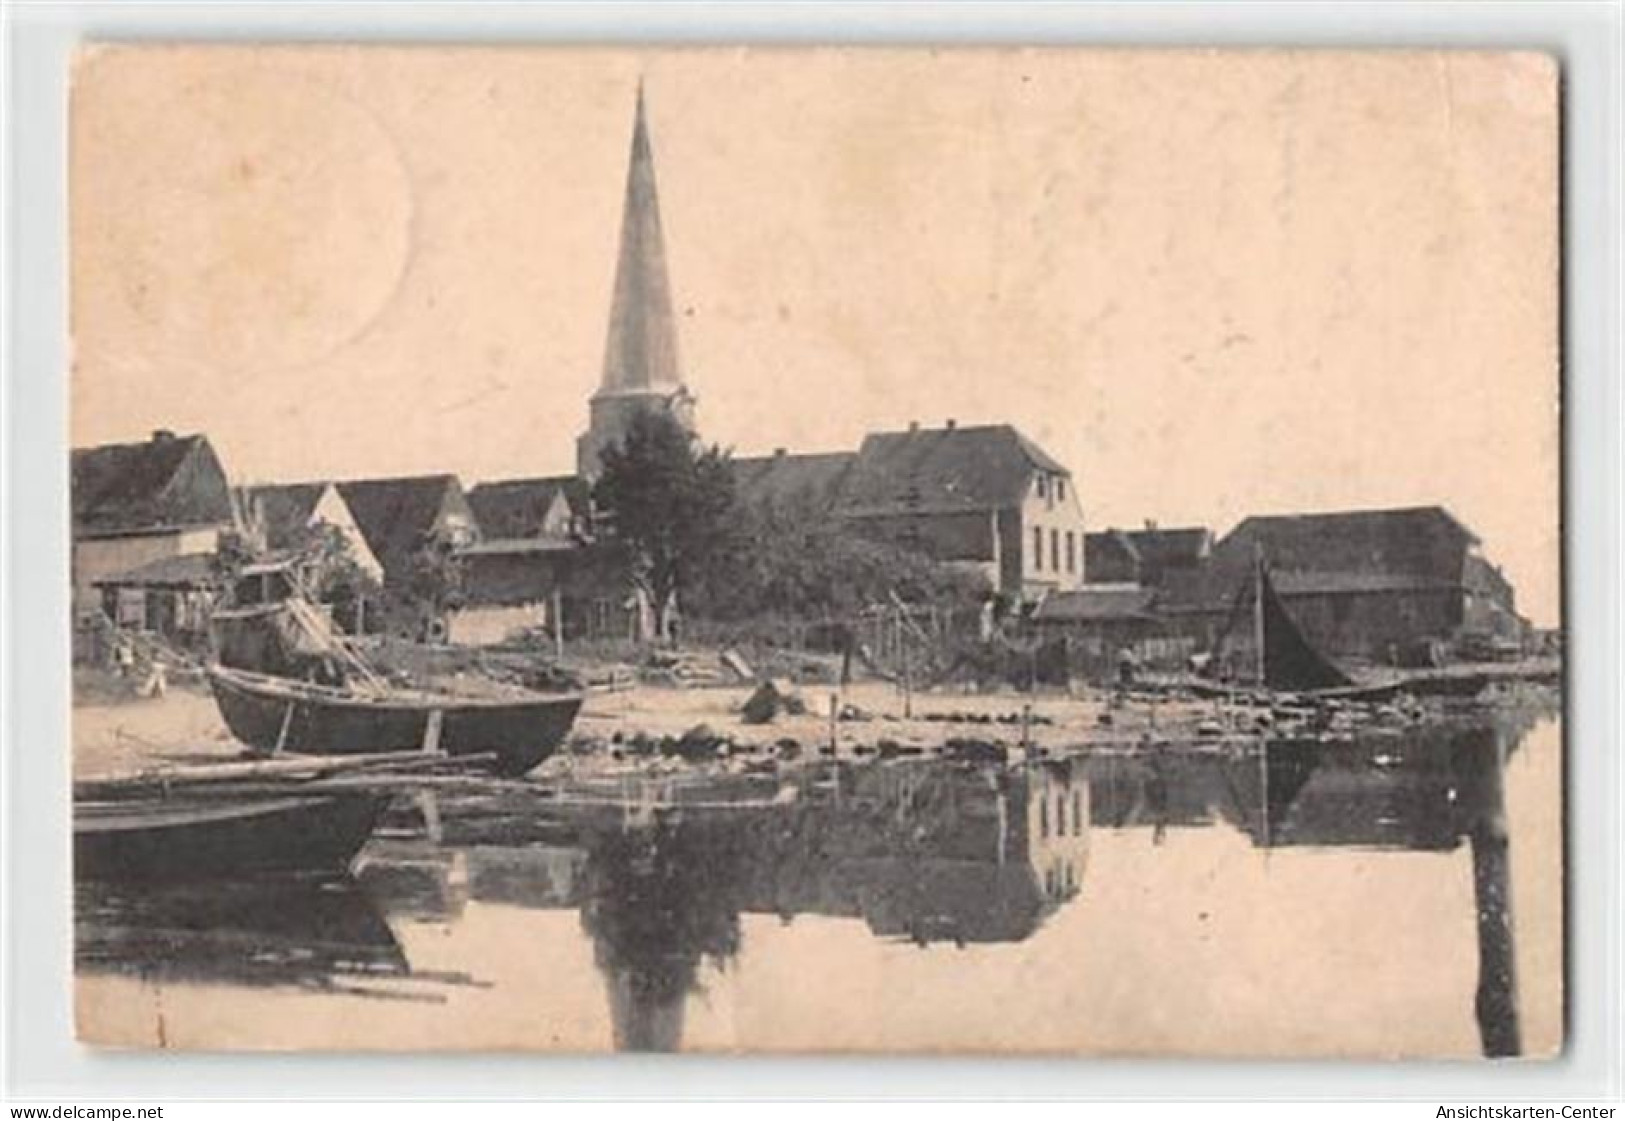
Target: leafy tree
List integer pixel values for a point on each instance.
(798, 559)
(667, 503)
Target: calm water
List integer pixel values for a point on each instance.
(1392, 896)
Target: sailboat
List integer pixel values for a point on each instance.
(1277, 658)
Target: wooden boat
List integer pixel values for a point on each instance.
(273, 714)
(193, 836)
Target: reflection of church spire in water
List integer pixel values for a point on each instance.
(645, 1016)
(658, 905)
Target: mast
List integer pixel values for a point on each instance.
(1258, 613)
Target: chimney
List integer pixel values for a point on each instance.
(1151, 525)
(778, 453)
(162, 435)
(913, 426)
(952, 424)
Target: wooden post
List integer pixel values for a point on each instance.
(908, 679)
(1026, 726)
(558, 625)
(834, 726)
(1258, 614)
(282, 734)
(431, 730)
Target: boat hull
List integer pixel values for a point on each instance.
(273, 716)
(194, 838)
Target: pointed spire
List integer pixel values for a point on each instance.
(641, 352)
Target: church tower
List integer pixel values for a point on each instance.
(640, 355)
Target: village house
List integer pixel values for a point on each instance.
(402, 520)
(531, 535)
(1380, 585)
(147, 518)
(1143, 556)
(1100, 622)
(985, 498)
(280, 517)
(1404, 586)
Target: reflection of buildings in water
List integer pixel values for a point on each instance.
(927, 852)
(1425, 791)
(923, 852)
(415, 880)
(275, 931)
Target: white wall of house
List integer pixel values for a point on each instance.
(1051, 534)
(97, 557)
(487, 626)
(556, 522)
(331, 509)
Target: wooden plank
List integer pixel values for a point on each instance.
(431, 731)
(282, 733)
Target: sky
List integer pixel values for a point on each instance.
(1213, 283)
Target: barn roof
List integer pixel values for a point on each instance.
(127, 488)
(512, 508)
(188, 570)
(1098, 604)
(781, 477)
(930, 470)
(1418, 541)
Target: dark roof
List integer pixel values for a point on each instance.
(189, 570)
(1097, 604)
(1421, 541)
(165, 482)
(1345, 553)
(284, 510)
(1161, 548)
(396, 516)
(515, 507)
(780, 477)
(1351, 583)
(943, 469)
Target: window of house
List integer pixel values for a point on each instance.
(1043, 817)
(1071, 552)
(1038, 548)
(1055, 550)
(1043, 486)
(1077, 811)
(1060, 489)
(1060, 816)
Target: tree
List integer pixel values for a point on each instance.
(666, 501)
(797, 559)
(331, 573)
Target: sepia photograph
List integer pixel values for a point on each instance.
(988, 551)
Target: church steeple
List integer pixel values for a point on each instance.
(640, 354)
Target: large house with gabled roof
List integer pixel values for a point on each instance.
(147, 516)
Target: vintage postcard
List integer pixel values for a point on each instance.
(801, 550)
